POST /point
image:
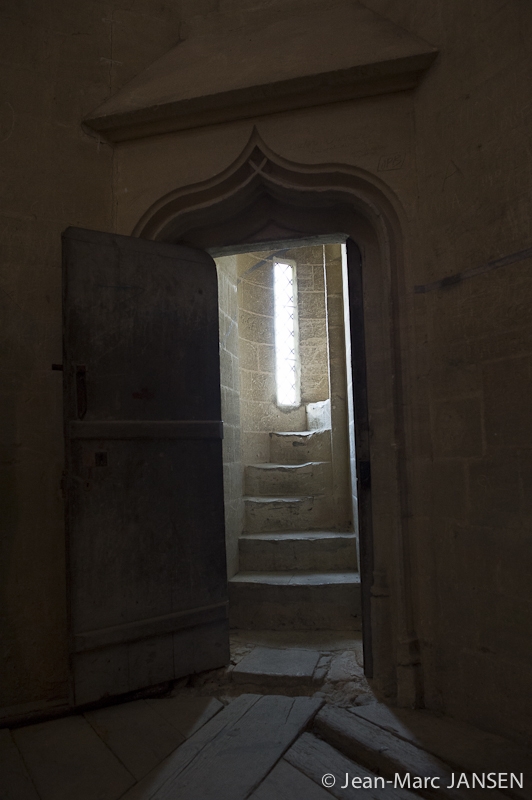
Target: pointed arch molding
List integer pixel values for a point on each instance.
(260, 191)
(263, 198)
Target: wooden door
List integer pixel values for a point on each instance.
(145, 516)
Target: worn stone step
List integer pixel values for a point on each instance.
(295, 600)
(270, 514)
(277, 667)
(315, 758)
(310, 478)
(299, 447)
(297, 550)
(462, 746)
(387, 755)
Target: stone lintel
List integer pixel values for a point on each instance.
(342, 53)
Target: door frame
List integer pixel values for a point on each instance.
(262, 199)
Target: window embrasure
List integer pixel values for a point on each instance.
(287, 368)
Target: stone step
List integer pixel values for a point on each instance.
(295, 600)
(299, 447)
(278, 667)
(271, 514)
(298, 550)
(310, 478)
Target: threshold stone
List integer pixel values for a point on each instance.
(274, 666)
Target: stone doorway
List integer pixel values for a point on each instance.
(262, 201)
(297, 555)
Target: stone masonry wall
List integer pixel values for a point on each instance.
(472, 442)
(312, 323)
(58, 61)
(260, 413)
(453, 156)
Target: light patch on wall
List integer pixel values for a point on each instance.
(287, 369)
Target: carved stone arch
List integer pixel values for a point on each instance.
(262, 198)
(259, 177)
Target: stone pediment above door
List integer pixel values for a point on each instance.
(340, 52)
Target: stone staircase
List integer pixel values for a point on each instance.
(297, 569)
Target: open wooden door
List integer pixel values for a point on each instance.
(145, 516)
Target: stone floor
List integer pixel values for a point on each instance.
(321, 663)
(288, 719)
(107, 753)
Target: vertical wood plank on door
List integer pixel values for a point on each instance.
(145, 518)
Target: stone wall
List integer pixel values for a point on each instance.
(260, 412)
(313, 340)
(322, 355)
(471, 351)
(453, 157)
(58, 61)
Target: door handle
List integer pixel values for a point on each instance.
(81, 390)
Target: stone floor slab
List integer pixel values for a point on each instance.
(136, 734)
(186, 712)
(345, 667)
(230, 766)
(15, 782)
(68, 761)
(219, 726)
(267, 665)
(285, 782)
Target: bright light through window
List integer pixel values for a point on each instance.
(286, 349)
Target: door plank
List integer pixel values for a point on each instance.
(67, 760)
(142, 429)
(154, 626)
(285, 782)
(15, 781)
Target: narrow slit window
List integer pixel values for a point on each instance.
(286, 338)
